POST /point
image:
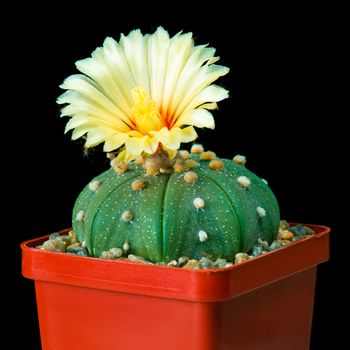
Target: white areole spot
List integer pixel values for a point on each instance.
(126, 246)
(240, 160)
(261, 212)
(243, 181)
(80, 215)
(264, 181)
(127, 216)
(198, 203)
(202, 235)
(94, 185)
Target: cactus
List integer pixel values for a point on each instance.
(215, 209)
(143, 97)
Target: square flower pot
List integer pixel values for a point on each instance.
(90, 304)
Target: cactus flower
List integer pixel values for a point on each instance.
(142, 92)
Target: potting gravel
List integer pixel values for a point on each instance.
(286, 234)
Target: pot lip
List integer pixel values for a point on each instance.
(320, 231)
(198, 285)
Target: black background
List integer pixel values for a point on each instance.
(281, 114)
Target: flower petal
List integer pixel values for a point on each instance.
(135, 48)
(113, 142)
(172, 139)
(97, 135)
(135, 146)
(199, 55)
(158, 46)
(204, 78)
(179, 51)
(151, 145)
(200, 118)
(86, 89)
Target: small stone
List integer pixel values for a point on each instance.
(182, 260)
(202, 235)
(94, 185)
(191, 163)
(82, 252)
(107, 255)
(54, 235)
(285, 235)
(199, 203)
(38, 246)
(197, 149)
(261, 212)
(66, 239)
(126, 246)
(275, 245)
(284, 225)
(117, 252)
(228, 264)
(161, 263)
(139, 160)
(80, 215)
(184, 154)
(120, 168)
(138, 185)
(136, 258)
(127, 216)
(73, 246)
(72, 236)
(284, 242)
(191, 177)
(264, 244)
(180, 166)
(172, 263)
(208, 155)
(220, 263)
(216, 164)
(240, 160)
(257, 250)
(206, 263)
(192, 264)
(54, 245)
(300, 230)
(243, 181)
(241, 257)
(77, 249)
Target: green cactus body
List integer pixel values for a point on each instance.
(162, 221)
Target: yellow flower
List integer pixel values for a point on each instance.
(145, 91)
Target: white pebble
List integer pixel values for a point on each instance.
(198, 203)
(94, 185)
(241, 257)
(243, 181)
(261, 212)
(240, 160)
(80, 215)
(117, 252)
(126, 246)
(202, 235)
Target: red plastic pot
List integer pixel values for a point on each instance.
(90, 304)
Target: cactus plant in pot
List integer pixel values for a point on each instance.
(169, 248)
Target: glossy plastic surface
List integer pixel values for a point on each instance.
(265, 303)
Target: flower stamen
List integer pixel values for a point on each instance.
(147, 118)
